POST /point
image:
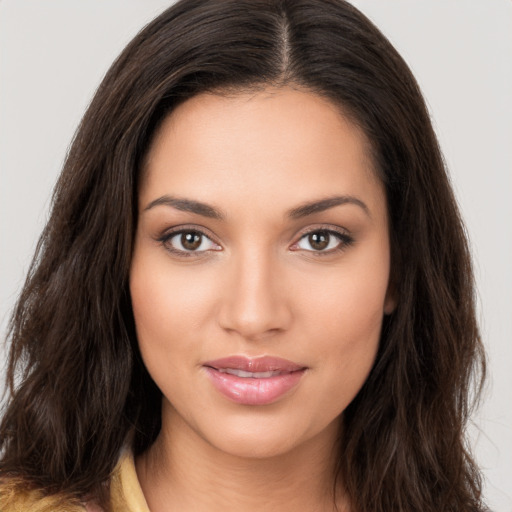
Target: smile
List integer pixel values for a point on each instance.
(259, 381)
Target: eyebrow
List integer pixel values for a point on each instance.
(325, 204)
(187, 205)
(304, 210)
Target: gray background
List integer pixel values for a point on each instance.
(53, 55)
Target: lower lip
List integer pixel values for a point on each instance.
(251, 391)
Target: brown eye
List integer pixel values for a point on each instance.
(191, 241)
(324, 241)
(319, 240)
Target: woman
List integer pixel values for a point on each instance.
(226, 308)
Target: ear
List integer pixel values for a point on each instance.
(391, 299)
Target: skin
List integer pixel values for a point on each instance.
(256, 287)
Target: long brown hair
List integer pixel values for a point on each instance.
(78, 388)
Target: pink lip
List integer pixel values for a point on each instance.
(259, 390)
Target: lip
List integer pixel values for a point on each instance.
(282, 376)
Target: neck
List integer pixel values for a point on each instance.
(182, 471)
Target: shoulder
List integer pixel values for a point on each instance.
(15, 497)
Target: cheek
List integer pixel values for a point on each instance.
(347, 342)
(348, 303)
(164, 302)
(171, 308)
(343, 314)
(156, 306)
(349, 324)
(163, 325)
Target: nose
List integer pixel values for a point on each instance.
(254, 302)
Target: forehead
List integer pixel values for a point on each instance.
(265, 148)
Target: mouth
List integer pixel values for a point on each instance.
(254, 381)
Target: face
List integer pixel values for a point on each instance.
(260, 272)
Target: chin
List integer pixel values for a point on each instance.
(267, 437)
(246, 446)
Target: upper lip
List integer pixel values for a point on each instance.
(254, 364)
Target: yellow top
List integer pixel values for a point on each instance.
(125, 492)
(125, 495)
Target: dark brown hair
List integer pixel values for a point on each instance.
(78, 388)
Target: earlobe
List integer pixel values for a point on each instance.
(389, 306)
(391, 300)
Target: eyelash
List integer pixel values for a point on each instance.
(344, 241)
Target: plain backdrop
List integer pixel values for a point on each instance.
(53, 55)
